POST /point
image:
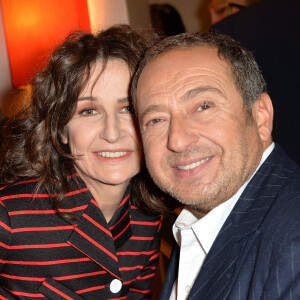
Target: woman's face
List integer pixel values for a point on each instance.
(102, 131)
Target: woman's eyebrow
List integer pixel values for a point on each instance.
(91, 98)
(124, 100)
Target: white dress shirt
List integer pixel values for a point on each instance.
(196, 236)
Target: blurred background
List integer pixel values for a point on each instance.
(30, 29)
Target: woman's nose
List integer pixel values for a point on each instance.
(111, 131)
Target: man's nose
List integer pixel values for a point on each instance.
(180, 135)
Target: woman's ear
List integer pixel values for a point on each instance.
(263, 114)
(64, 136)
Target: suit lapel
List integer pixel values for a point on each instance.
(238, 232)
(171, 274)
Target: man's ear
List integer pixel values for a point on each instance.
(262, 113)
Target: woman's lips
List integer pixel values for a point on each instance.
(113, 155)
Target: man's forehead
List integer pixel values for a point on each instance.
(177, 57)
(194, 50)
(180, 61)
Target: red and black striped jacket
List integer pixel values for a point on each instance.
(44, 256)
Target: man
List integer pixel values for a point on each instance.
(206, 122)
(271, 30)
(220, 9)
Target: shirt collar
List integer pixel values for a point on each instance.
(207, 228)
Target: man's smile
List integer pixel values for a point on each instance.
(193, 165)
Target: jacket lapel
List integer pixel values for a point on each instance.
(120, 223)
(171, 274)
(238, 232)
(93, 236)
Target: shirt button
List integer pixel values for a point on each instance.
(115, 286)
(187, 289)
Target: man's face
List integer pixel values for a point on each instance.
(200, 145)
(220, 9)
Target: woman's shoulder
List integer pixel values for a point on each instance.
(19, 193)
(145, 225)
(143, 214)
(23, 185)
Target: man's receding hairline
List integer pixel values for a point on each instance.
(185, 48)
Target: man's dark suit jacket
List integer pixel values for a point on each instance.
(271, 30)
(256, 255)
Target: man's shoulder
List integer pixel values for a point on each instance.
(283, 173)
(283, 218)
(288, 198)
(279, 163)
(272, 197)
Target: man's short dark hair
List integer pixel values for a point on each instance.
(245, 71)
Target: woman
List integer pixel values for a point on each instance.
(70, 226)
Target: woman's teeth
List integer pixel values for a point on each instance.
(112, 154)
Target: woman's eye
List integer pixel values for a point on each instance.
(88, 112)
(204, 106)
(128, 109)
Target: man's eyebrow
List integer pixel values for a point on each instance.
(200, 90)
(150, 109)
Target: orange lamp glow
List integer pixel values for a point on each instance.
(34, 27)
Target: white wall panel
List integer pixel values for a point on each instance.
(5, 76)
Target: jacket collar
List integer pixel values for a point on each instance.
(92, 235)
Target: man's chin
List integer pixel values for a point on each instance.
(194, 203)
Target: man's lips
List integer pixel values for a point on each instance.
(186, 166)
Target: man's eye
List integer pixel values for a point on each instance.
(127, 109)
(204, 106)
(153, 121)
(88, 112)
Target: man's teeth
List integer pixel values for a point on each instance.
(193, 165)
(112, 154)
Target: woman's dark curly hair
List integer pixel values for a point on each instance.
(31, 141)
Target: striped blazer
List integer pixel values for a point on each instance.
(256, 255)
(44, 256)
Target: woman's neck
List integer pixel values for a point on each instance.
(110, 201)
(108, 197)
